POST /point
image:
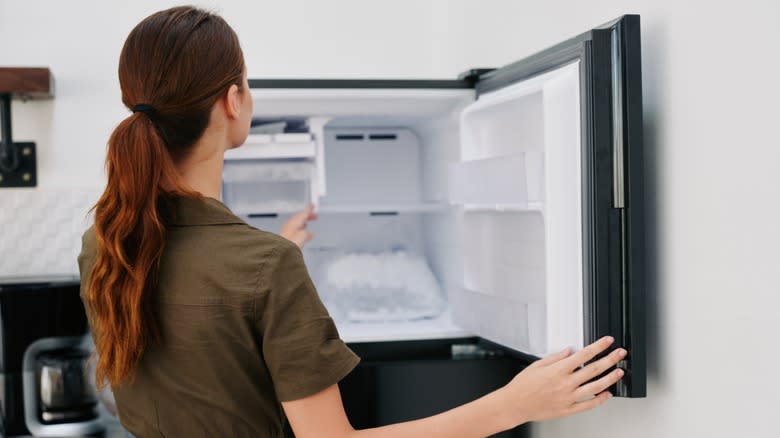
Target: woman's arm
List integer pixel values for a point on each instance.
(553, 387)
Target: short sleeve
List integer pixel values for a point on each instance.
(86, 261)
(300, 342)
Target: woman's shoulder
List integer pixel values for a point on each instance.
(244, 237)
(86, 258)
(237, 248)
(88, 244)
(236, 251)
(275, 249)
(238, 236)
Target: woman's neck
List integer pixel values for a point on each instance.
(201, 170)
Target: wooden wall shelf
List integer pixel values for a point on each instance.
(27, 82)
(18, 166)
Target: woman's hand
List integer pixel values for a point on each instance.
(553, 387)
(295, 228)
(558, 385)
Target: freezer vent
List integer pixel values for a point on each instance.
(360, 137)
(347, 137)
(382, 137)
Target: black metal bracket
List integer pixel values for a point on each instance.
(25, 174)
(17, 160)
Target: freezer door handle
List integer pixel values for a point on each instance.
(618, 159)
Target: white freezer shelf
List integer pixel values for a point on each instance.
(270, 208)
(509, 208)
(272, 150)
(512, 323)
(421, 207)
(440, 327)
(273, 102)
(288, 137)
(507, 182)
(267, 171)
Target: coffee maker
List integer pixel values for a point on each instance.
(46, 386)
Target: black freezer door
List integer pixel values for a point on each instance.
(550, 189)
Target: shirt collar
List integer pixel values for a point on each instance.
(188, 211)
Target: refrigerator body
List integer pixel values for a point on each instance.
(505, 207)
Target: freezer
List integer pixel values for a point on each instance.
(505, 204)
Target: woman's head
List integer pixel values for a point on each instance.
(181, 62)
(185, 67)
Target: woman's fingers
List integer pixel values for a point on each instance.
(299, 219)
(310, 213)
(597, 368)
(586, 354)
(301, 238)
(295, 228)
(599, 385)
(555, 357)
(589, 404)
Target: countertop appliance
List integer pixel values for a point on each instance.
(66, 390)
(520, 187)
(45, 383)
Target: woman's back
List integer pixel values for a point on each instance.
(241, 329)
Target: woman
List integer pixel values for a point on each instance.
(206, 326)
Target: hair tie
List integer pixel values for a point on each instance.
(146, 109)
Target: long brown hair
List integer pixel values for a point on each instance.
(178, 62)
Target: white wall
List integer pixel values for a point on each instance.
(711, 94)
(713, 159)
(80, 41)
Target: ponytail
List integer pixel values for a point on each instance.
(131, 239)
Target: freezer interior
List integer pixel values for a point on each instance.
(440, 215)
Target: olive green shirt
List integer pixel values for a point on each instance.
(242, 329)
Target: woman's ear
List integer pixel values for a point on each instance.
(233, 102)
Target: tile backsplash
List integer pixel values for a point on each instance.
(40, 231)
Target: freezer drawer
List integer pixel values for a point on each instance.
(253, 187)
(402, 381)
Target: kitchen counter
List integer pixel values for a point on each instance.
(113, 430)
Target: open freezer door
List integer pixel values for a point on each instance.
(549, 186)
